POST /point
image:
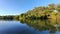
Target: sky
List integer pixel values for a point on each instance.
(16, 7)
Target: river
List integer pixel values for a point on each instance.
(28, 27)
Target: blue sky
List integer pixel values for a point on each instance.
(13, 7)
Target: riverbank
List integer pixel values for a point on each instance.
(42, 12)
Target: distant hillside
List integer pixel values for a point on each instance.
(42, 12)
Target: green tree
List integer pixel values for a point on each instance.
(51, 6)
(58, 7)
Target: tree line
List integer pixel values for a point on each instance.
(41, 12)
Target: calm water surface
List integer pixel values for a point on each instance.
(28, 27)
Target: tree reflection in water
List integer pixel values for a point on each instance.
(43, 25)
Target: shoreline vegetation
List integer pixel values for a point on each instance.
(51, 11)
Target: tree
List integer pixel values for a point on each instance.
(51, 6)
(58, 7)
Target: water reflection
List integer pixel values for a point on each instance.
(15, 27)
(44, 25)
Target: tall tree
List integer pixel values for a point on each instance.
(58, 7)
(51, 6)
